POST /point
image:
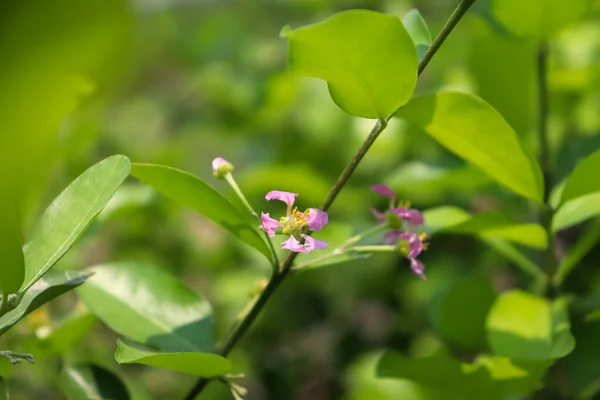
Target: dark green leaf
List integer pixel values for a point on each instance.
(12, 262)
(368, 59)
(585, 243)
(471, 128)
(522, 326)
(198, 364)
(70, 214)
(190, 191)
(52, 285)
(147, 304)
(418, 30)
(88, 381)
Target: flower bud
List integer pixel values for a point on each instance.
(221, 167)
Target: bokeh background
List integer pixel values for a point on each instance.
(180, 82)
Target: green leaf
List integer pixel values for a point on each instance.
(198, 364)
(88, 381)
(52, 285)
(495, 224)
(514, 255)
(538, 19)
(582, 366)
(439, 218)
(471, 128)
(70, 214)
(190, 191)
(522, 326)
(583, 180)
(147, 304)
(418, 30)
(576, 211)
(62, 337)
(368, 59)
(458, 312)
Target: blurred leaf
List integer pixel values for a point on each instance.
(65, 335)
(88, 381)
(522, 326)
(515, 255)
(583, 179)
(586, 242)
(576, 211)
(148, 305)
(198, 364)
(420, 177)
(190, 191)
(471, 128)
(495, 224)
(515, 377)
(582, 366)
(12, 269)
(442, 217)
(368, 59)
(511, 89)
(70, 214)
(128, 196)
(418, 30)
(538, 19)
(52, 285)
(458, 312)
(556, 195)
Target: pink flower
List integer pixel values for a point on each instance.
(269, 224)
(384, 190)
(412, 216)
(413, 244)
(221, 167)
(309, 245)
(418, 268)
(295, 224)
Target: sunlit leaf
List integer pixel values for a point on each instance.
(69, 215)
(576, 211)
(199, 364)
(146, 304)
(538, 19)
(471, 128)
(190, 191)
(583, 180)
(522, 326)
(368, 59)
(418, 30)
(52, 285)
(88, 381)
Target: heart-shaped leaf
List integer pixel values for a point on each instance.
(475, 131)
(147, 304)
(368, 59)
(192, 192)
(52, 285)
(70, 214)
(205, 365)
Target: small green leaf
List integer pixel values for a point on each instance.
(88, 381)
(538, 19)
(148, 305)
(418, 30)
(439, 218)
(204, 365)
(70, 214)
(52, 285)
(522, 326)
(190, 191)
(576, 211)
(368, 59)
(458, 312)
(62, 337)
(471, 128)
(583, 180)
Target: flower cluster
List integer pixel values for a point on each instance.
(294, 223)
(401, 222)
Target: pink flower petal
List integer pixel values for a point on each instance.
(269, 224)
(383, 190)
(392, 237)
(218, 162)
(287, 197)
(378, 215)
(294, 245)
(317, 219)
(412, 216)
(311, 244)
(418, 268)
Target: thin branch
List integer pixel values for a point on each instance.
(286, 265)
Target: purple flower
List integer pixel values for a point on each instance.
(294, 224)
(401, 222)
(221, 167)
